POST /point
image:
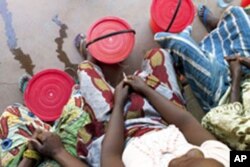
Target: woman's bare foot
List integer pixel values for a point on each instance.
(80, 43)
(207, 18)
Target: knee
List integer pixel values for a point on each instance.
(88, 70)
(85, 65)
(153, 53)
(157, 55)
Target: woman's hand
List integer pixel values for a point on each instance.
(245, 61)
(242, 60)
(28, 161)
(121, 93)
(34, 136)
(47, 143)
(136, 83)
(234, 65)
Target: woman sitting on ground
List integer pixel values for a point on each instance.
(147, 125)
(174, 145)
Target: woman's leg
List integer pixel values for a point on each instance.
(230, 37)
(160, 74)
(73, 118)
(17, 125)
(206, 76)
(97, 93)
(98, 97)
(208, 19)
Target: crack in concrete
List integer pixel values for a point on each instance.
(24, 59)
(70, 67)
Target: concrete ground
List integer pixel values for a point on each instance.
(35, 35)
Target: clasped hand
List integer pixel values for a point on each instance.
(122, 89)
(235, 63)
(46, 143)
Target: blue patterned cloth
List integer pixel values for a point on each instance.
(203, 64)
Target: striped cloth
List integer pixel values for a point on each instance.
(203, 64)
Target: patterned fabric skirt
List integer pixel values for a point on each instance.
(203, 64)
(85, 117)
(230, 122)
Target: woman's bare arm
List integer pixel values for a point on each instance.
(113, 143)
(50, 145)
(26, 162)
(171, 113)
(235, 70)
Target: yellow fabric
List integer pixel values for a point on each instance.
(230, 122)
(31, 154)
